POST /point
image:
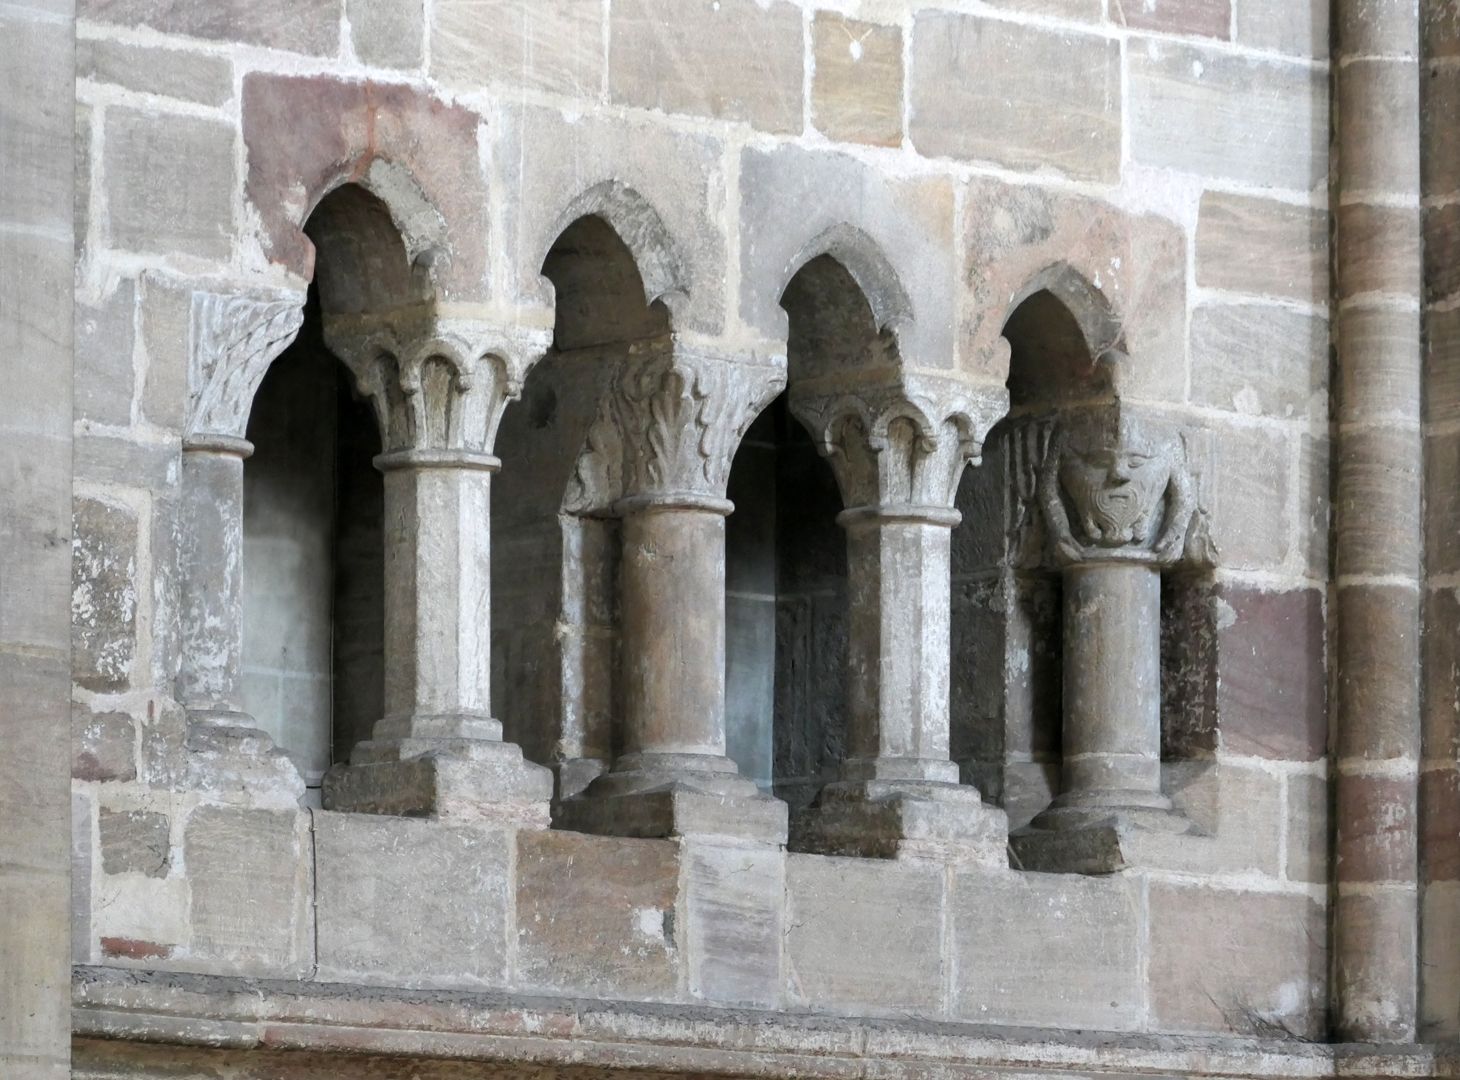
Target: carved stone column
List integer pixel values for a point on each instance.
(439, 388)
(898, 452)
(671, 424)
(1118, 504)
(233, 339)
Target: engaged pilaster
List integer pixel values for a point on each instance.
(898, 452)
(666, 436)
(438, 387)
(1118, 504)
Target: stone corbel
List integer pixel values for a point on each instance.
(233, 339)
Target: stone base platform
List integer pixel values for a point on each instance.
(904, 819)
(676, 809)
(145, 1025)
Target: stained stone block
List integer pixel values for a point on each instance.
(388, 33)
(104, 376)
(174, 73)
(856, 90)
(864, 935)
(310, 26)
(1441, 252)
(1250, 484)
(1056, 103)
(1004, 926)
(1259, 965)
(1228, 117)
(1376, 945)
(553, 45)
(733, 906)
(1439, 989)
(169, 184)
(1260, 360)
(1388, 615)
(1263, 247)
(251, 892)
(103, 745)
(1380, 128)
(104, 600)
(1384, 255)
(1439, 808)
(1271, 695)
(1376, 826)
(1441, 666)
(1299, 28)
(1202, 18)
(403, 902)
(135, 842)
(596, 915)
(728, 59)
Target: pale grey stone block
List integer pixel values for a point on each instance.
(554, 45)
(1249, 481)
(1054, 104)
(388, 33)
(1260, 360)
(36, 102)
(308, 26)
(104, 601)
(187, 76)
(733, 906)
(135, 842)
(405, 902)
(105, 377)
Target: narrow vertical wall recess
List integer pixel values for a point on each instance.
(1378, 537)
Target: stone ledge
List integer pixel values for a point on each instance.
(126, 1010)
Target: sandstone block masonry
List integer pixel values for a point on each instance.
(1000, 694)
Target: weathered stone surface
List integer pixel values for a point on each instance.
(105, 379)
(863, 934)
(1439, 989)
(1442, 509)
(1307, 824)
(1379, 378)
(33, 110)
(388, 33)
(1091, 11)
(1375, 943)
(856, 88)
(1250, 484)
(83, 849)
(1442, 365)
(1132, 264)
(1439, 843)
(1381, 468)
(733, 908)
(1260, 360)
(1380, 128)
(104, 597)
(135, 841)
(1383, 251)
(1271, 689)
(1441, 663)
(595, 915)
(729, 59)
(103, 745)
(1299, 28)
(1260, 246)
(1228, 117)
(555, 46)
(1258, 967)
(169, 184)
(1203, 18)
(251, 891)
(1381, 622)
(1057, 105)
(1376, 825)
(1441, 252)
(403, 902)
(1314, 503)
(1002, 926)
(187, 76)
(310, 26)
(81, 184)
(1239, 813)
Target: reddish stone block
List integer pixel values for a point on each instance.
(1376, 828)
(306, 135)
(1439, 836)
(1377, 656)
(1441, 659)
(1271, 699)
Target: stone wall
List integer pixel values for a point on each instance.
(1158, 172)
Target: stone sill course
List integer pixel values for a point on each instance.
(118, 1012)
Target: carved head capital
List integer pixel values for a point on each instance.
(1117, 483)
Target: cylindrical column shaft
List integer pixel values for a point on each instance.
(1112, 685)
(437, 595)
(673, 609)
(211, 580)
(898, 644)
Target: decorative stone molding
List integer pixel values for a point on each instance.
(669, 425)
(438, 383)
(233, 339)
(903, 443)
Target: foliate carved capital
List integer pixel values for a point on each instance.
(669, 424)
(900, 445)
(438, 383)
(232, 340)
(1118, 484)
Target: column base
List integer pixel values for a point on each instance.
(659, 795)
(231, 760)
(880, 819)
(464, 780)
(1099, 833)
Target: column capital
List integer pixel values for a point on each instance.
(438, 382)
(1115, 483)
(899, 445)
(669, 424)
